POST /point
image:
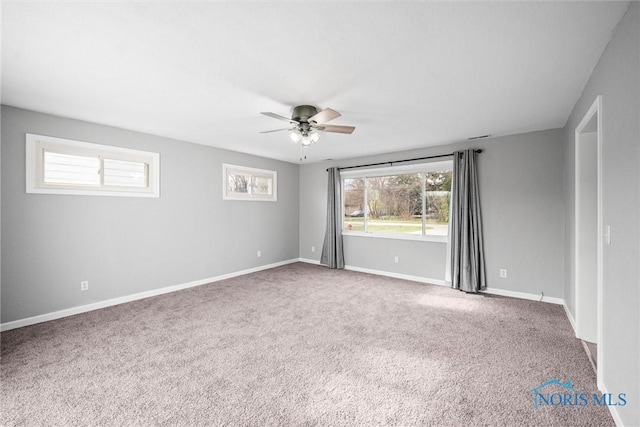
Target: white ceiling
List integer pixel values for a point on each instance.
(406, 74)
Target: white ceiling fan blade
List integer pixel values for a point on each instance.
(337, 128)
(279, 117)
(324, 116)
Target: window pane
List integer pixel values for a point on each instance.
(261, 185)
(67, 169)
(354, 204)
(122, 173)
(438, 192)
(394, 204)
(238, 183)
(411, 203)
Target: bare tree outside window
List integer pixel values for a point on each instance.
(238, 183)
(354, 206)
(438, 192)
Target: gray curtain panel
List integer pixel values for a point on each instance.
(467, 252)
(332, 253)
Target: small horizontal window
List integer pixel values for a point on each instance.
(243, 183)
(62, 166)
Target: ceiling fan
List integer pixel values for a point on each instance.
(306, 121)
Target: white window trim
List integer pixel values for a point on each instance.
(226, 195)
(395, 170)
(421, 238)
(35, 145)
(398, 170)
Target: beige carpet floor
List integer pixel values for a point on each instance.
(298, 345)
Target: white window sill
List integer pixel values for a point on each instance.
(421, 238)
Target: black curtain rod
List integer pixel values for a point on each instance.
(400, 161)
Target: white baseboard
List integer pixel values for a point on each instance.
(396, 275)
(133, 297)
(571, 319)
(612, 409)
(141, 295)
(309, 261)
(493, 291)
(383, 273)
(523, 295)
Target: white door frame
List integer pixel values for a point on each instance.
(596, 109)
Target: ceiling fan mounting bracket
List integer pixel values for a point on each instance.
(301, 113)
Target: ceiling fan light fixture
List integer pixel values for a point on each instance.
(309, 138)
(314, 136)
(295, 135)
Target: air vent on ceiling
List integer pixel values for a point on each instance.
(473, 138)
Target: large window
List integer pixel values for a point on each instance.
(405, 202)
(63, 166)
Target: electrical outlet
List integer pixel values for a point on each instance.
(396, 259)
(503, 273)
(84, 285)
(313, 248)
(259, 254)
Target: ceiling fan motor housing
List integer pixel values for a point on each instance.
(301, 113)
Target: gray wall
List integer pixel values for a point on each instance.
(617, 79)
(0, 223)
(522, 205)
(124, 245)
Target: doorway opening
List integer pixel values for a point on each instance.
(588, 232)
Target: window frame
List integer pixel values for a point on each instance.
(35, 184)
(435, 166)
(252, 172)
